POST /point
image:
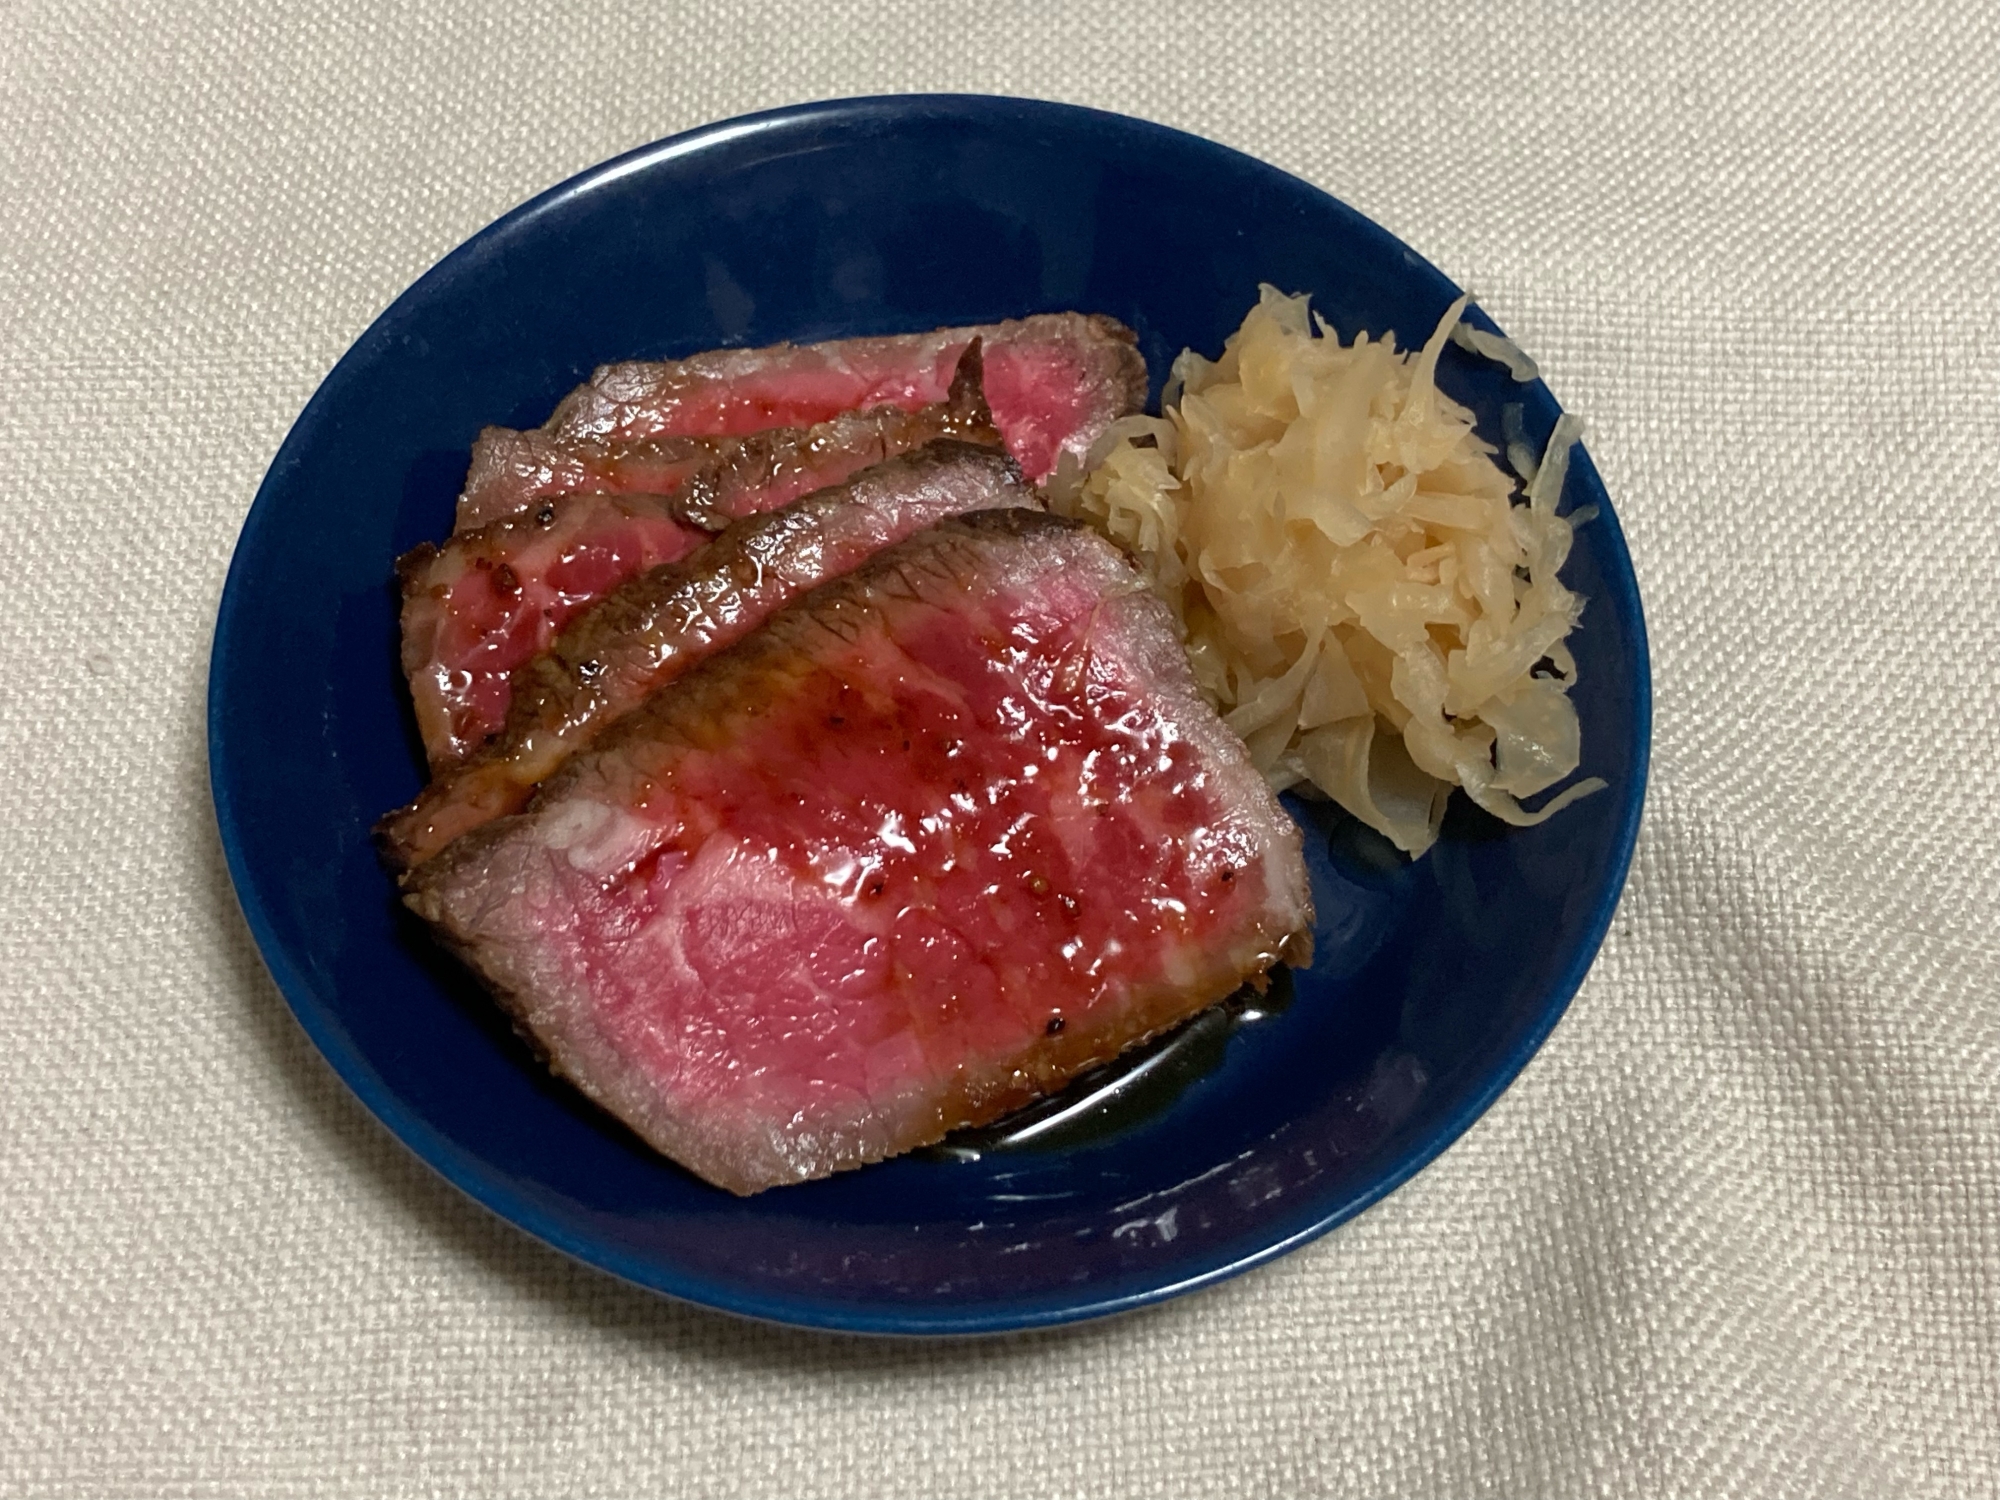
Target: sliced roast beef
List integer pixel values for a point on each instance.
(494, 597)
(941, 835)
(491, 599)
(653, 628)
(512, 470)
(1055, 381)
(730, 475)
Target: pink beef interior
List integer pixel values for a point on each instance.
(728, 476)
(1054, 381)
(655, 627)
(496, 596)
(512, 470)
(1050, 393)
(939, 837)
(493, 599)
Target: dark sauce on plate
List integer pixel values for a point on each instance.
(1125, 1093)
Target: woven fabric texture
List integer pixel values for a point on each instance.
(1736, 1231)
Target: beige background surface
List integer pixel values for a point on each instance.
(1735, 1232)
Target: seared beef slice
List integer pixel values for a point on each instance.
(1055, 381)
(491, 599)
(941, 835)
(729, 476)
(495, 595)
(655, 627)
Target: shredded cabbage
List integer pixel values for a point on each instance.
(1360, 596)
(1498, 348)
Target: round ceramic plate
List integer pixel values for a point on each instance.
(1434, 981)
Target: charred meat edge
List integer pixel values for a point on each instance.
(547, 691)
(725, 467)
(589, 410)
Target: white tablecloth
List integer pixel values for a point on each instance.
(1736, 1231)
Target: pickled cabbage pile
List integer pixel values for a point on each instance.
(1361, 595)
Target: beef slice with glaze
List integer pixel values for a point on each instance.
(655, 627)
(729, 476)
(943, 834)
(1055, 381)
(491, 599)
(495, 597)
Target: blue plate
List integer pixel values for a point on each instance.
(1435, 981)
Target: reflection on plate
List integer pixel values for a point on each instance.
(1243, 1137)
